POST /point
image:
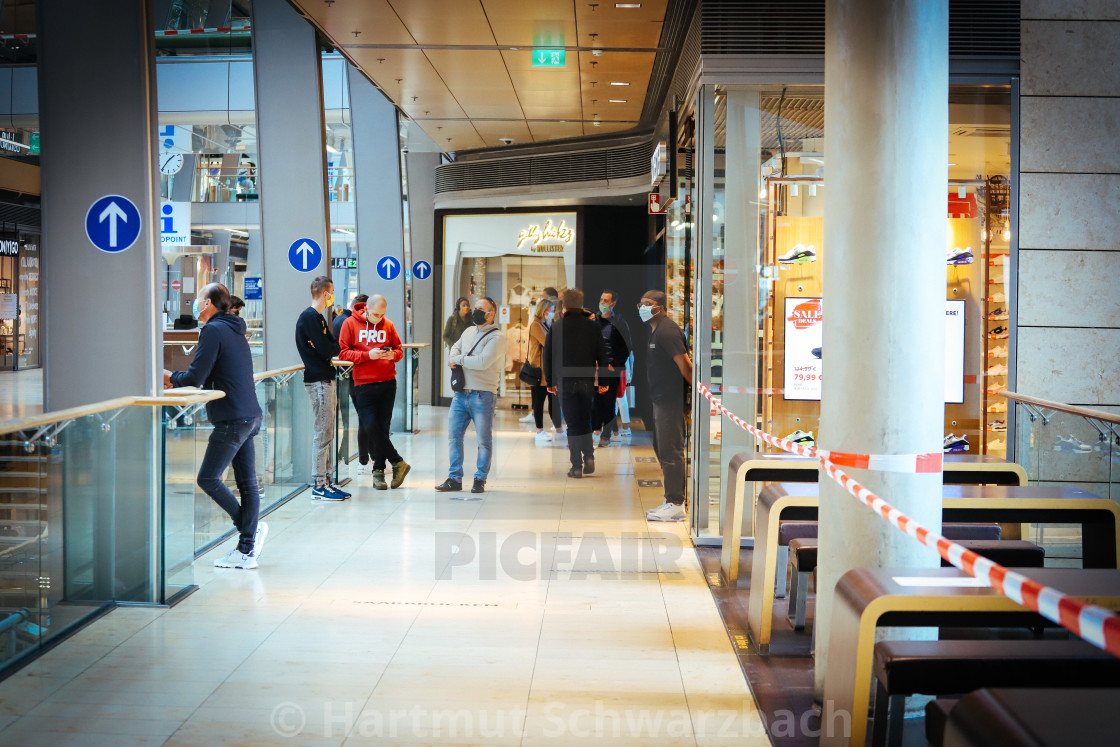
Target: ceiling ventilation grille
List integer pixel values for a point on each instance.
(604, 164)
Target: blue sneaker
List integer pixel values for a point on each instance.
(338, 489)
(326, 493)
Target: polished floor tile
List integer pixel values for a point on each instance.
(548, 611)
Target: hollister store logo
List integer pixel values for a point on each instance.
(550, 239)
(805, 315)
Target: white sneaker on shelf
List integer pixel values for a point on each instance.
(997, 444)
(998, 407)
(997, 370)
(527, 419)
(543, 437)
(998, 352)
(666, 512)
(236, 559)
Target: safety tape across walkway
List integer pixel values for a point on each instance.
(1099, 626)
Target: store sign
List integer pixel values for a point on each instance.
(548, 57)
(804, 333)
(344, 263)
(9, 143)
(9, 248)
(547, 240)
(804, 339)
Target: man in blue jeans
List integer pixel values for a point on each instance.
(222, 361)
(481, 352)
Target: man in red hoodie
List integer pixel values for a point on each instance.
(371, 342)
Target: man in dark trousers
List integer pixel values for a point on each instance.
(617, 337)
(222, 361)
(317, 346)
(574, 353)
(669, 372)
(346, 388)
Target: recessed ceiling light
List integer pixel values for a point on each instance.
(618, 83)
(628, 6)
(618, 101)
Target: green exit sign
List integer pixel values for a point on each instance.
(548, 58)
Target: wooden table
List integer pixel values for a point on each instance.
(867, 598)
(1099, 519)
(750, 466)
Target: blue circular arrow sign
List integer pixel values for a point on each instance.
(304, 255)
(388, 268)
(113, 223)
(421, 270)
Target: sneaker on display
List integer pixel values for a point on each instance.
(997, 370)
(667, 512)
(995, 280)
(954, 444)
(998, 352)
(996, 444)
(999, 315)
(997, 425)
(816, 353)
(998, 298)
(236, 559)
(1071, 444)
(543, 437)
(997, 407)
(958, 256)
(259, 538)
(998, 333)
(527, 419)
(994, 390)
(799, 255)
(801, 437)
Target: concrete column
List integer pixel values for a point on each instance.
(740, 288)
(421, 168)
(292, 169)
(380, 213)
(886, 165)
(89, 352)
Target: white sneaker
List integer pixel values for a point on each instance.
(625, 431)
(543, 436)
(666, 512)
(236, 559)
(997, 370)
(259, 538)
(527, 419)
(798, 255)
(657, 508)
(365, 469)
(998, 352)
(996, 444)
(559, 431)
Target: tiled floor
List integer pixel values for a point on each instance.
(21, 393)
(548, 613)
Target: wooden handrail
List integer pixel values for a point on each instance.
(1105, 417)
(276, 372)
(182, 396)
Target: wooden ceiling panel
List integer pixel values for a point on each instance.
(638, 64)
(546, 111)
(444, 21)
(558, 83)
(461, 133)
(605, 127)
(619, 34)
(417, 79)
(493, 132)
(467, 68)
(651, 11)
(375, 19)
(555, 130)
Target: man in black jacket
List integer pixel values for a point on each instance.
(222, 361)
(616, 336)
(574, 353)
(317, 346)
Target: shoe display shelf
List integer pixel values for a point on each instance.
(997, 314)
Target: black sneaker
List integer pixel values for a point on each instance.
(479, 486)
(449, 486)
(575, 472)
(588, 465)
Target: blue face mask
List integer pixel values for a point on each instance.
(194, 308)
(645, 312)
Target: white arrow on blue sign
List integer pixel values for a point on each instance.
(421, 270)
(113, 223)
(304, 255)
(388, 268)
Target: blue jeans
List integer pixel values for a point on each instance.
(232, 443)
(465, 407)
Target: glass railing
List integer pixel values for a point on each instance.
(1060, 444)
(79, 529)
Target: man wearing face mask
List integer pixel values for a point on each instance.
(317, 346)
(222, 361)
(669, 373)
(616, 335)
(481, 352)
(371, 341)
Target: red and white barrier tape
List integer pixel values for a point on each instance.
(188, 32)
(1095, 624)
